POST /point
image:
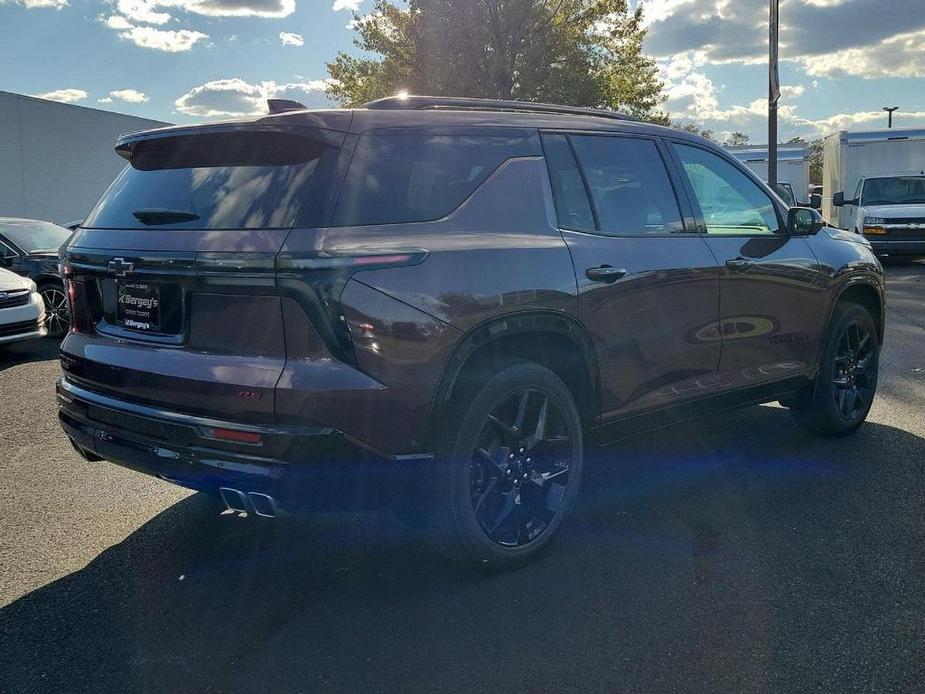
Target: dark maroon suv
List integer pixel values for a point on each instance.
(441, 302)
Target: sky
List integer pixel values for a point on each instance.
(183, 61)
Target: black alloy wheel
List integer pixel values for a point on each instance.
(853, 384)
(509, 466)
(839, 400)
(520, 468)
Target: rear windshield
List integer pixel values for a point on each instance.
(420, 176)
(240, 180)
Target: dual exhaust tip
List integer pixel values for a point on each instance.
(260, 504)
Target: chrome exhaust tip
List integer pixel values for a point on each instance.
(264, 505)
(234, 499)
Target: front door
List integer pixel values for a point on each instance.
(648, 288)
(771, 292)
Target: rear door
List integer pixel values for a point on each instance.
(173, 273)
(648, 290)
(772, 293)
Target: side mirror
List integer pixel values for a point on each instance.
(839, 200)
(804, 221)
(815, 201)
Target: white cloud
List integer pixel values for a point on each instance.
(237, 98)
(289, 38)
(116, 22)
(163, 39)
(826, 37)
(352, 5)
(141, 11)
(67, 96)
(132, 14)
(38, 4)
(132, 96)
(159, 11)
(866, 119)
(902, 55)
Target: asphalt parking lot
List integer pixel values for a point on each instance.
(736, 554)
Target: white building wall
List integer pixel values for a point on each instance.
(56, 160)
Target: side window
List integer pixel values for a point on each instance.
(629, 185)
(731, 203)
(419, 176)
(6, 252)
(857, 191)
(572, 206)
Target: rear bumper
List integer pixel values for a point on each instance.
(300, 467)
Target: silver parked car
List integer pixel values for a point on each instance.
(22, 310)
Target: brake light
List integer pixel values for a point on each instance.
(78, 319)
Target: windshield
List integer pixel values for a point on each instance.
(894, 190)
(32, 235)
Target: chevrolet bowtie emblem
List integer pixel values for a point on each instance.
(120, 267)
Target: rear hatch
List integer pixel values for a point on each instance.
(172, 275)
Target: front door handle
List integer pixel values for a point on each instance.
(604, 273)
(739, 264)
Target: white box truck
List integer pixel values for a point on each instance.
(792, 169)
(874, 184)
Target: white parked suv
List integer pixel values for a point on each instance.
(22, 311)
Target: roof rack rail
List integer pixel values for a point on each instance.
(416, 103)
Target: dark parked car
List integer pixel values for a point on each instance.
(30, 248)
(437, 304)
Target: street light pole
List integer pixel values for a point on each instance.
(773, 91)
(889, 110)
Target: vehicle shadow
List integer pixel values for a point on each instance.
(735, 554)
(28, 351)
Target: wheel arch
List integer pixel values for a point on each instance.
(552, 339)
(866, 293)
(45, 280)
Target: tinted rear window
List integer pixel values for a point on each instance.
(240, 180)
(418, 177)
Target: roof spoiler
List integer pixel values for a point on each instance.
(283, 105)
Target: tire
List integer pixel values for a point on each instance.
(57, 310)
(847, 379)
(509, 468)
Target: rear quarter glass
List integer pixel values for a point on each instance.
(223, 180)
(421, 175)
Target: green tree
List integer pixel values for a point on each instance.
(696, 130)
(576, 52)
(736, 139)
(815, 157)
(815, 161)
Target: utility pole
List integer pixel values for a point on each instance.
(773, 91)
(889, 110)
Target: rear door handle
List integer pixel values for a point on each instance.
(739, 264)
(605, 273)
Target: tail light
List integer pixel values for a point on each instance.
(77, 303)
